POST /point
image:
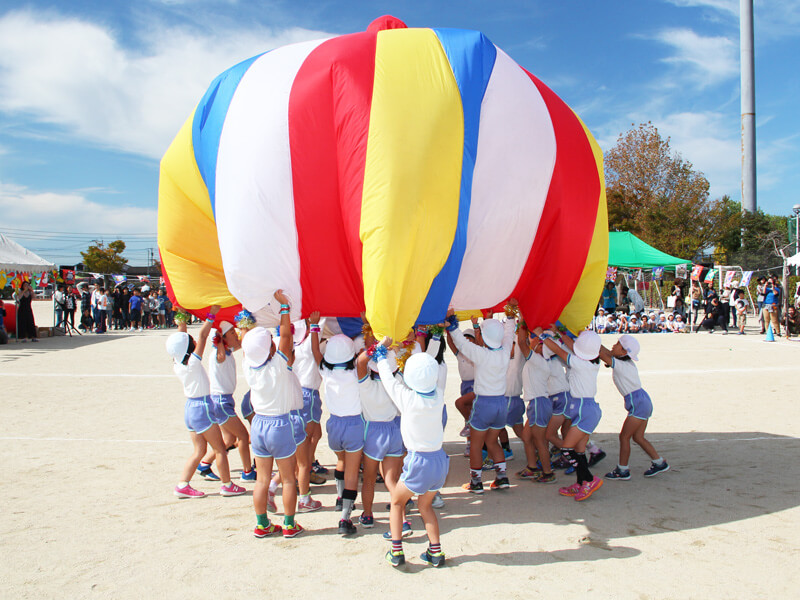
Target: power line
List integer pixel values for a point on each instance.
(81, 233)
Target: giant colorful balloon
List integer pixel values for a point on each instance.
(398, 171)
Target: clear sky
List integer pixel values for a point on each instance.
(92, 91)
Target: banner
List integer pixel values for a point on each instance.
(746, 277)
(611, 274)
(680, 271)
(161, 281)
(119, 279)
(144, 278)
(710, 275)
(69, 276)
(658, 273)
(3, 279)
(729, 277)
(697, 271)
(638, 273)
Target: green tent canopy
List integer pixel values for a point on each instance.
(626, 250)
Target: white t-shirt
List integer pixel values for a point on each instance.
(582, 377)
(193, 377)
(376, 405)
(491, 365)
(340, 390)
(305, 367)
(557, 382)
(466, 369)
(625, 376)
(421, 423)
(514, 373)
(297, 391)
(222, 374)
(95, 298)
(535, 376)
(271, 386)
(741, 305)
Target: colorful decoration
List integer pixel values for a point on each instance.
(658, 273)
(395, 171)
(746, 277)
(697, 271)
(611, 274)
(244, 320)
(710, 275)
(181, 316)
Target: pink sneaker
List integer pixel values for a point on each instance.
(310, 506)
(271, 506)
(187, 491)
(571, 490)
(589, 488)
(231, 490)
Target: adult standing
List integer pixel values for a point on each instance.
(610, 298)
(770, 314)
(125, 299)
(98, 327)
(26, 325)
(760, 295)
(59, 304)
(725, 301)
(70, 303)
(697, 301)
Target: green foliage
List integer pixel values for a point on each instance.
(105, 259)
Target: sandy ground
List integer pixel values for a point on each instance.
(94, 440)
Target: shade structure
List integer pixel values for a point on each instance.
(627, 250)
(397, 171)
(14, 257)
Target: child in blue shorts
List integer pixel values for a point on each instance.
(638, 404)
(419, 400)
(345, 427)
(198, 412)
(383, 442)
(307, 371)
(267, 369)
(582, 358)
(490, 409)
(466, 371)
(222, 375)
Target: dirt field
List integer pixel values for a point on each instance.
(94, 440)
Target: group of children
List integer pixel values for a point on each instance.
(661, 322)
(387, 413)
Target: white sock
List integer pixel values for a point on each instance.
(590, 446)
(182, 484)
(659, 461)
(273, 486)
(622, 467)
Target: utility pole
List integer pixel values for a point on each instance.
(748, 92)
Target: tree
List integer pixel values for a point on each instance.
(100, 258)
(657, 195)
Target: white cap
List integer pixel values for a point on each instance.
(256, 345)
(469, 332)
(587, 346)
(492, 332)
(601, 309)
(299, 333)
(391, 360)
(178, 345)
(340, 349)
(631, 345)
(421, 373)
(225, 327)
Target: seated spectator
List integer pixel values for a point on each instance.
(671, 322)
(86, 321)
(792, 322)
(679, 326)
(611, 324)
(662, 326)
(714, 317)
(634, 326)
(622, 325)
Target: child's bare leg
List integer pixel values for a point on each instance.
(551, 433)
(493, 448)
(629, 426)
(540, 442)
(368, 484)
(236, 428)
(400, 495)
(428, 516)
(638, 437)
(286, 468)
(198, 450)
(303, 468)
(530, 449)
(213, 436)
(263, 471)
(464, 405)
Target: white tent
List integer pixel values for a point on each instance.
(794, 261)
(14, 257)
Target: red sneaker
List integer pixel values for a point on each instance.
(290, 532)
(262, 532)
(588, 488)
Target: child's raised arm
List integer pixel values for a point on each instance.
(205, 329)
(605, 355)
(550, 343)
(286, 343)
(313, 321)
(362, 365)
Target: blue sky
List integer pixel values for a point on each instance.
(92, 91)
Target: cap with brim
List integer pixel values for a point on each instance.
(492, 333)
(300, 330)
(225, 327)
(587, 346)
(340, 349)
(391, 360)
(631, 345)
(256, 345)
(469, 333)
(421, 373)
(178, 345)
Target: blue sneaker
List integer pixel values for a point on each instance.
(569, 470)
(249, 476)
(618, 473)
(367, 521)
(318, 468)
(407, 531)
(208, 474)
(656, 469)
(508, 454)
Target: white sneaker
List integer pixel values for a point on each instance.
(464, 432)
(466, 450)
(140, 329)
(438, 501)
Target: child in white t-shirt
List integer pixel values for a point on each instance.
(203, 430)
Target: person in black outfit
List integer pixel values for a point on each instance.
(26, 325)
(70, 304)
(715, 317)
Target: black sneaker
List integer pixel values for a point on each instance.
(474, 487)
(500, 483)
(396, 558)
(346, 527)
(434, 560)
(596, 457)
